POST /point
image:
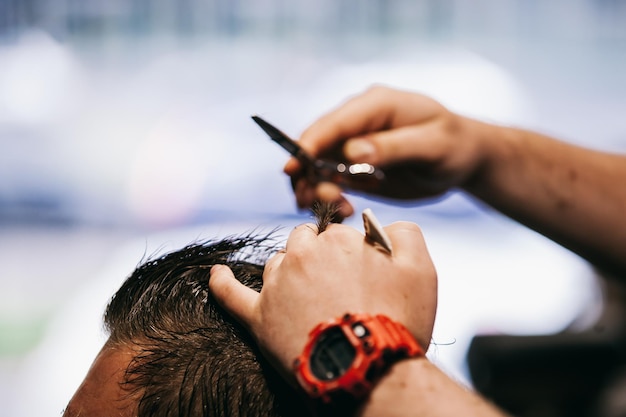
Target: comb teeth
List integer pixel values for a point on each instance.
(375, 233)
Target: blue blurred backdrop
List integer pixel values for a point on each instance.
(125, 129)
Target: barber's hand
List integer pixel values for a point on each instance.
(422, 147)
(322, 276)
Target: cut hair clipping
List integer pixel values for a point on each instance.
(374, 232)
(325, 213)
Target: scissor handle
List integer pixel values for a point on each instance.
(364, 177)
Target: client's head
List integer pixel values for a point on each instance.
(172, 351)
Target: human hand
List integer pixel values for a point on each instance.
(423, 148)
(323, 276)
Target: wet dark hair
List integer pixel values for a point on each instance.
(193, 359)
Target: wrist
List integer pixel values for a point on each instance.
(490, 146)
(417, 387)
(398, 388)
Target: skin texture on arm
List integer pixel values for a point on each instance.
(416, 387)
(321, 276)
(572, 195)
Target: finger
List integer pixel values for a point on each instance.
(292, 167)
(361, 114)
(304, 192)
(328, 191)
(416, 143)
(232, 295)
(273, 263)
(407, 240)
(331, 192)
(301, 237)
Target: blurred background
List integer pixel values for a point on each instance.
(125, 129)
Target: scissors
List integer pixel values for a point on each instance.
(360, 176)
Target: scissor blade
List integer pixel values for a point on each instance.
(375, 233)
(282, 139)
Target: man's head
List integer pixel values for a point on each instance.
(172, 351)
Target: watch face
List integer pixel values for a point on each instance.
(332, 355)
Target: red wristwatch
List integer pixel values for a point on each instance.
(345, 357)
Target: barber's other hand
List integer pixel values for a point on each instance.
(423, 148)
(322, 276)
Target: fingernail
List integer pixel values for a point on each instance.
(216, 268)
(361, 150)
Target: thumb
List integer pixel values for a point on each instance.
(237, 299)
(389, 147)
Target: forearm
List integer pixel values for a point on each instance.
(575, 196)
(416, 387)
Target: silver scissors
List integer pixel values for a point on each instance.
(359, 176)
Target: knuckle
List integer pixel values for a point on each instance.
(337, 231)
(377, 89)
(407, 226)
(297, 253)
(302, 227)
